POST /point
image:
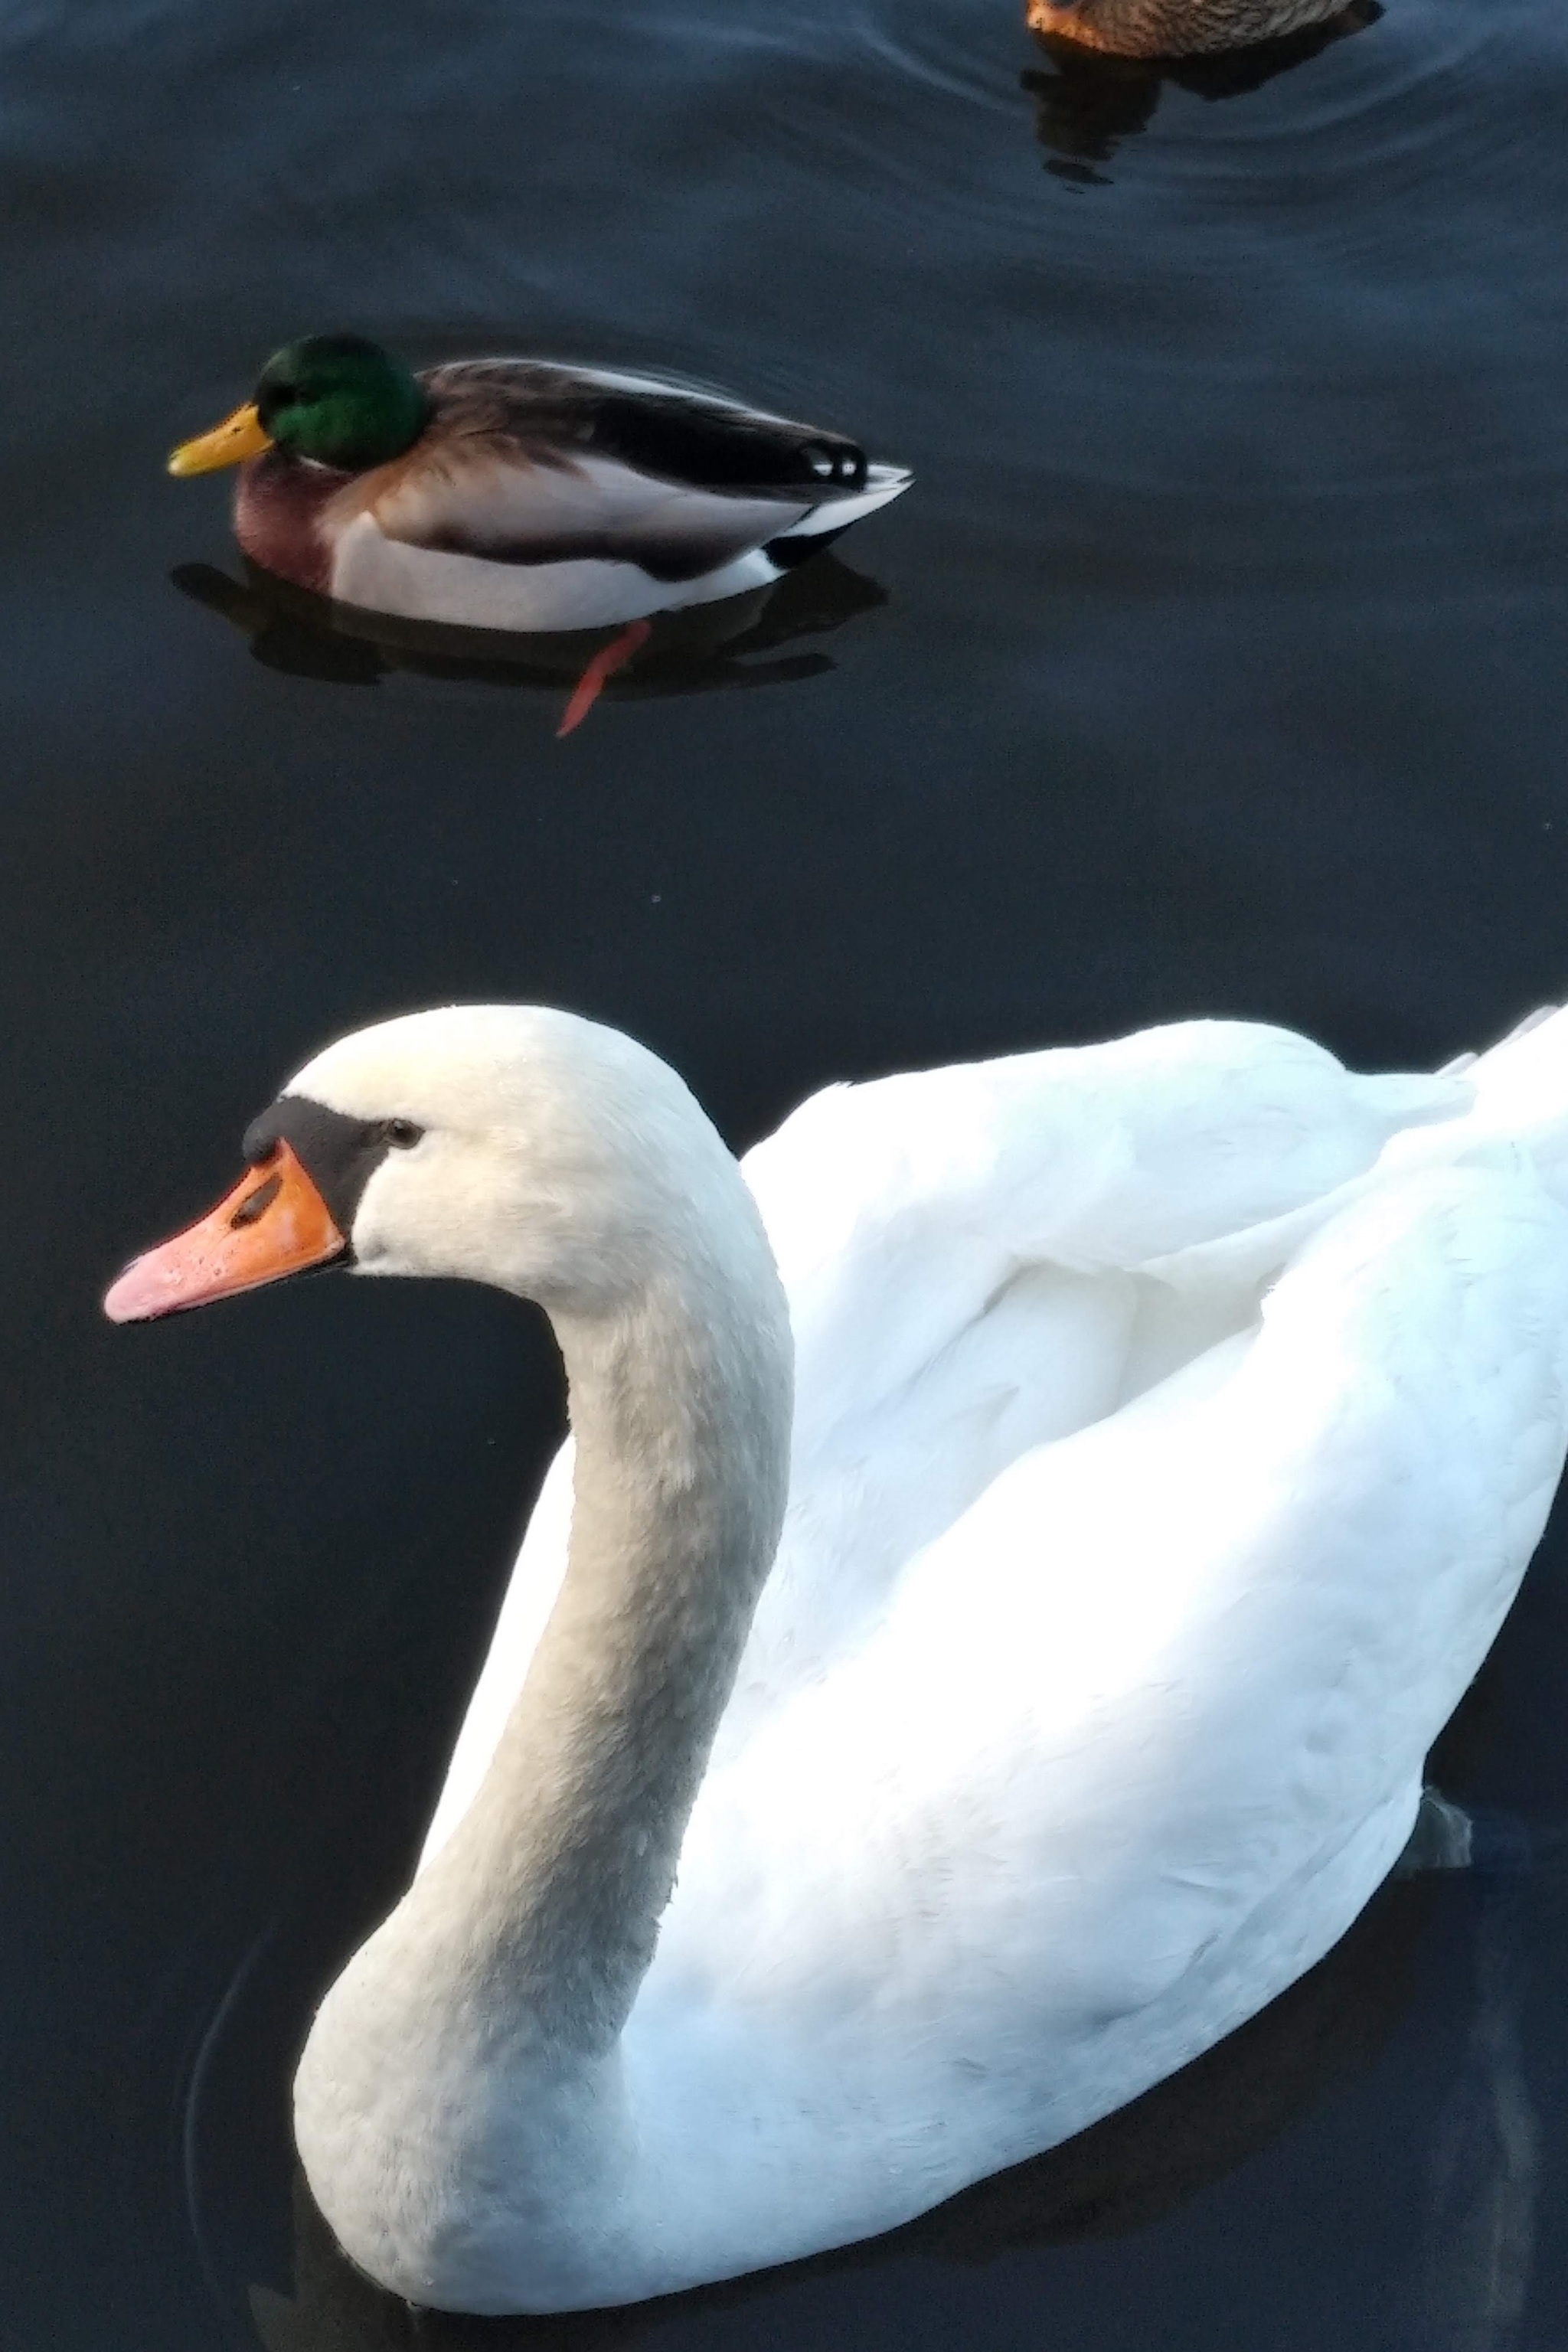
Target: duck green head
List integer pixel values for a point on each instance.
(338, 399)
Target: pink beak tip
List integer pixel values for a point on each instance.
(137, 1295)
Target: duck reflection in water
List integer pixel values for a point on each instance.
(1090, 99)
(701, 650)
(1128, 2170)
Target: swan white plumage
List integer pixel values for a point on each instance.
(1174, 1420)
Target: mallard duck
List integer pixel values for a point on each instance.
(1175, 28)
(523, 494)
(1021, 1532)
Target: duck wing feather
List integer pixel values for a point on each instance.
(528, 462)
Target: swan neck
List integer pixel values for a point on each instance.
(680, 1408)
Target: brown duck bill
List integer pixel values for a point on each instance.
(274, 1222)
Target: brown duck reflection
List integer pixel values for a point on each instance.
(1127, 2170)
(699, 650)
(1090, 100)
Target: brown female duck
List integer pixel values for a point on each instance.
(1174, 28)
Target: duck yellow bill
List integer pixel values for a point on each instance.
(273, 1222)
(243, 435)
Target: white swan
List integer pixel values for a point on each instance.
(1174, 1419)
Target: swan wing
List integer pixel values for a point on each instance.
(898, 1209)
(963, 1251)
(1139, 1734)
(960, 1249)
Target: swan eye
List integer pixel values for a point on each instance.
(403, 1133)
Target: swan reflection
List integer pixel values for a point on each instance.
(1485, 2167)
(701, 650)
(1091, 101)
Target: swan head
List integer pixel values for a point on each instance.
(513, 1145)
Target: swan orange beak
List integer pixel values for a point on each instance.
(243, 435)
(273, 1222)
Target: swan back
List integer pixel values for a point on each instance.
(898, 1208)
(960, 1249)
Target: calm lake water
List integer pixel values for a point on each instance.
(1215, 664)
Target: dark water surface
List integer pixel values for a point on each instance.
(1215, 664)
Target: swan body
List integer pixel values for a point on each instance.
(1175, 28)
(523, 494)
(867, 1791)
